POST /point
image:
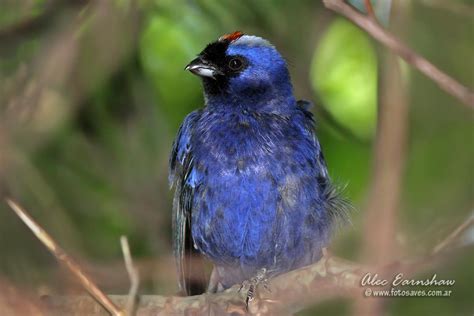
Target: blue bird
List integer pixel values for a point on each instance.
(252, 187)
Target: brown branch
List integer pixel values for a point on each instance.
(444, 81)
(65, 259)
(18, 300)
(381, 217)
(290, 292)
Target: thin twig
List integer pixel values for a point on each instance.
(454, 236)
(132, 274)
(65, 259)
(370, 9)
(444, 81)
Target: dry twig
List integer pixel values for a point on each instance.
(454, 236)
(444, 81)
(65, 259)
(132, 274)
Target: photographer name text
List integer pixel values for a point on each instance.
(370, 279)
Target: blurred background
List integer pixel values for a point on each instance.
(92, 94)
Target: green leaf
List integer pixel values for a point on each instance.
(344, 74)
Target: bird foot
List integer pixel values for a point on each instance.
(259, 279)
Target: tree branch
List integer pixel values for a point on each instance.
(64, 258)
(381, 215)
(444, 81)
(290, 292)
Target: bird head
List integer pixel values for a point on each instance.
(245, 70)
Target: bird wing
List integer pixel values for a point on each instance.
(337, 206)
(183, 176)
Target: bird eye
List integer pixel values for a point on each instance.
(235, 64)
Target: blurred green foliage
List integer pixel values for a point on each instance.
(180, 41)
(344, 73)
(102, 170)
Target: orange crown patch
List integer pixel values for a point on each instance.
(231, 37)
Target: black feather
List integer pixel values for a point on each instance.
(190, 264)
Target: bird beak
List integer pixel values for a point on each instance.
(202, 68)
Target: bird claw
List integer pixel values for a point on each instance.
(244, 284)
(253, 283)
(266, 286)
